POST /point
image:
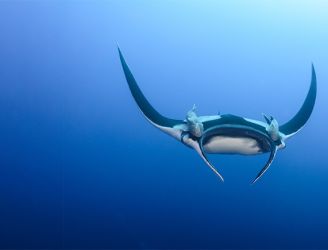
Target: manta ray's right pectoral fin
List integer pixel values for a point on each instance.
(298, 121)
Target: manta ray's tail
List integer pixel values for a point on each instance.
(298, 121)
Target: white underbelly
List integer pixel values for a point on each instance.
(232, 145)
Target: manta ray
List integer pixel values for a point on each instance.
(227, 133)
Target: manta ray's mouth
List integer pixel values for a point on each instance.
(232, 145)
(236, 140)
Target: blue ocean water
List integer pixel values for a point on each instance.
(80, 167)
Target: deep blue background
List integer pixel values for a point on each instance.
(81, 168)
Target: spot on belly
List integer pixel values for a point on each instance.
(232, 145)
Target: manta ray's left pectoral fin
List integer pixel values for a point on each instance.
(267, 165)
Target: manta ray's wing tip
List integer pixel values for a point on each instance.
(118, 48)
(313, 69)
